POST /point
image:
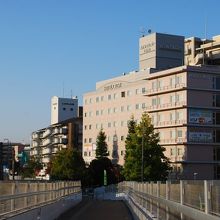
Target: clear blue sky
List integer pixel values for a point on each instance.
(47, 43)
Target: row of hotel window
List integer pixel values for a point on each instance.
(157, 84)
(156, 118)
(114, 96)
(90, 154)
(174, 151)
(173, 134)
(115, 110)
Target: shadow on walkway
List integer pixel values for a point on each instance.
(98, 210)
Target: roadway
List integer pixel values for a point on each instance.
(98, 210)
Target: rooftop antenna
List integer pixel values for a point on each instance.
(71, 93)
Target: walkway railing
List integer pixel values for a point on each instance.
(178, 200)
(20, 196)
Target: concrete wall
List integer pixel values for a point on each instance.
(50, 211)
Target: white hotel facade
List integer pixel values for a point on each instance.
(182, 100)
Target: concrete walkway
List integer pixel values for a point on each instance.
(98, 210)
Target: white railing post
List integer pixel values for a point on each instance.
(13, 192)
(181, 196)
(207, 196)
(167, 198)
(158, 195)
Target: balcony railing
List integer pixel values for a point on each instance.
(166, 106)
(164, 89)
(46, 151)
(170, 123)
(46, 133)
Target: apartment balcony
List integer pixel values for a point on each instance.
(46, 151)
(63, 130)
(46, 142)
(166, 106)
(46, 159)
(35, 144)
(54, 150)
(35, 136)
(60, 140)
(165, 89)
(33, 153)
(47, 133)
(173, 123)
(188, 142)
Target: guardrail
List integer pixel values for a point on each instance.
(19, 196)
(186, 199)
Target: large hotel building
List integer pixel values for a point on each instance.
(178, 84)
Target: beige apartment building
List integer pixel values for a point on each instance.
(183, 102)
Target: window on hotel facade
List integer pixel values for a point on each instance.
(85, 140)
(122, 123)
(109, 97)
(102, 111)
(122, 152)
(180, 151)
(90, 100)
(217, 153)
(90, 140)
(217, 118)
(128, 108)
(217, 100)
(143, 90)
(154, 85)
(97, 99)
(143, 106)
(137, 106)
(115, 95)
(115, 124)
(128, 93)
(97, 113)
(122, 138)
(90, 127)
(217, 83)
(115, 110)
(85, 127)
(179, 133)
(109, 124)
(137, 91)
(85, 114)
(102, 98)
(85, 153)
(154, 101)
(85, 101)
(123, 94)
(122, 108)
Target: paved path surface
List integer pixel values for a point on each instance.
(98, 210)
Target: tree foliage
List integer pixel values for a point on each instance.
(32, 167)
(155, 165)
(68, 164)
(101, 145)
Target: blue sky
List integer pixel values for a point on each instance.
(45, 44)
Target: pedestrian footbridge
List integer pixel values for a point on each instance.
(185, 200)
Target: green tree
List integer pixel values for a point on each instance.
(101, 145)
(30, 169)
(155, 164)
(68, 164)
